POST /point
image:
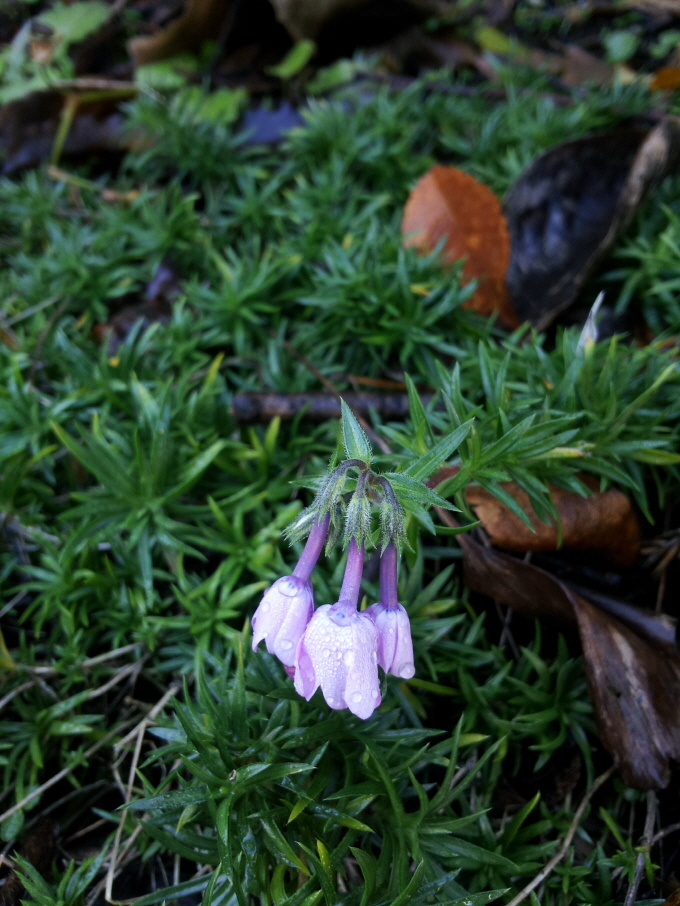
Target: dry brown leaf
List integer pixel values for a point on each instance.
(630, 656)
(603, 523)
(673, 899)
(161, 292)
(199, 22)
(308, 18)
(635, 689)
(665, 79)
(448, 204)
(577, 66)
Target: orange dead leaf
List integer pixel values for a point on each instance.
(449, 204)
(665, 79)
(603, 524)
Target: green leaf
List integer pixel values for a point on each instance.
(294, 61)
(174, 799)
(368, 867)
(476, 899)
(405, 486)
(411, 888)
(77, 20)
(423, 467)
(656, 457)
(356, 443)
(184, 888)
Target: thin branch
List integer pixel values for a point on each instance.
(564, 847)
(19, 689)
(671, 829)
(138, 734)
(88, 662)
(645, 846)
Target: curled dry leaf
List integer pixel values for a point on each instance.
(199, 22)
(630, 655)
(156, 306)
(634, 688)
(603, 523)
(309, 18)
(448, 204)
(570, 204)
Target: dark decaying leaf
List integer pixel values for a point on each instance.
(603, 524)
(635, 689)
(39, 848)
(200, 21)
(28, 128)
(161, 291)
(631, 659)
(570, 204)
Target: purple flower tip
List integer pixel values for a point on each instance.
(395, 648)
(282, 616)
(338, 653)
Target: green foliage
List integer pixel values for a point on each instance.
(136, 510)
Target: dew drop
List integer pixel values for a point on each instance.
(266, 607)
(338, 654)
(406, 671)
(327, 652)
(329, 700)
(374, 656)
(390, 631)
(348, 658)
(356, 697)
(288, 587)
(286, 644)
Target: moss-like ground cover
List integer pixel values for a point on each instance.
(141, 522)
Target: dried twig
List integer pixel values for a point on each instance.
(333, 389)
(645, 846)
(19, 689)
(262, 407)
(88, 662)
(138, 734)
(566, 842)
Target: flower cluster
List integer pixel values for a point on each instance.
(337, 647)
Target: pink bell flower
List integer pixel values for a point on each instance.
(287, 606)
(282, 617)
(395, 648)
(338, 650)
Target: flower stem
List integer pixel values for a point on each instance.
(313, 548)
(388, 576)
(351, 582)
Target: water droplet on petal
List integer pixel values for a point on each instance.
(266, 607)
(356, 698)
(327, 652)
(288, 587)
(406, 671)
(338, 654)
(348, 658)
(286, 644)
(390, 631)
(329, 699)
(374, 656)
